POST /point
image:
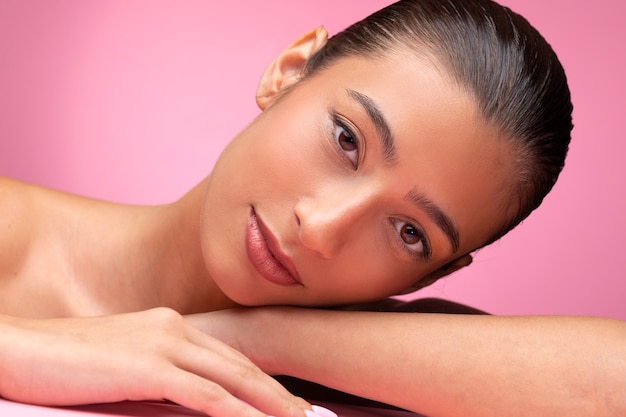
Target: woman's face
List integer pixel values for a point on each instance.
(353, 185)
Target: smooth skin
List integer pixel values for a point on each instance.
(338, 213)
(449, 364)
(107, 285)
(441, 365)
(147, 355)
(72, 344)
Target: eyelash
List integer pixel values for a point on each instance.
(340, 128)
(424, 253)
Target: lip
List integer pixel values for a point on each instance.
(265, 254)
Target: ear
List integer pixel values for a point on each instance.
(286, 68)
(445, 270)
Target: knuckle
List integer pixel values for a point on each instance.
(211, 391)
(166, 316)
(248, 370)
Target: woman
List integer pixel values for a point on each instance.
(363, 187)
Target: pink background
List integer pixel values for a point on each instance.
(132, 101)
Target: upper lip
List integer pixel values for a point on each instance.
(274, 247)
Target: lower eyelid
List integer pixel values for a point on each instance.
(425, 254)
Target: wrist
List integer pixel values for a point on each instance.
(261, 337)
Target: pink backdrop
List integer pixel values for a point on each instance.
(132, 101)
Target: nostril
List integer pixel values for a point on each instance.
(297, 220)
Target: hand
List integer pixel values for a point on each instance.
(147, 355)
(245, 330)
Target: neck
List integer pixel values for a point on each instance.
(75, 256)
(175, 261)
(151, 256)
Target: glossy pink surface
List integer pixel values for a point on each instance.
(156, 409)
(133, 100)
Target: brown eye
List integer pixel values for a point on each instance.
(347, 142)
(409, 234)
(411, 239)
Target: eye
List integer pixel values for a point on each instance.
(412, 239)
(347, 141)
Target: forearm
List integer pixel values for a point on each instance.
(449, 365)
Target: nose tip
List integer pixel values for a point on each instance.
(316, 233)
(335, 214)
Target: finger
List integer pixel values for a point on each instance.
(197, 393)
(279, 392)
(240, 377)
(202, 339)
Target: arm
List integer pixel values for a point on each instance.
(148, 355)
(444, 365)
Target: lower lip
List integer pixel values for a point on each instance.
(261, 257)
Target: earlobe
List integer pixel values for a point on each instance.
(286, 68)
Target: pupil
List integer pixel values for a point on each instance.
(409, 234)
(347, 142)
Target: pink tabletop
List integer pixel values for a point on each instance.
(160, 409)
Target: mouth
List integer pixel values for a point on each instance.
(265, 254)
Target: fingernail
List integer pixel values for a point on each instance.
(323, 412)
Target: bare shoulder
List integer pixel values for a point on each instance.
(26, 213)
(31, 248)
(15, 199)
(17, 223)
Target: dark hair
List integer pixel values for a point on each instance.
(511, 70)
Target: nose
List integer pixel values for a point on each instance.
(333, 216)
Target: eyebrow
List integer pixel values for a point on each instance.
(440, 218)
(380, 123)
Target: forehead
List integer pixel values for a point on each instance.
(445, 149)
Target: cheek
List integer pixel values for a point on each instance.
(367, 270)
(291, 154)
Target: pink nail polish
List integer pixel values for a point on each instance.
(323, 412)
